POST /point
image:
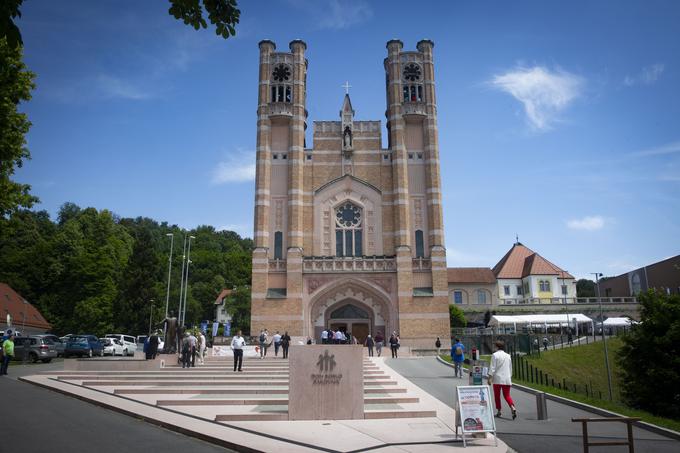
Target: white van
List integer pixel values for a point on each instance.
(128, 341)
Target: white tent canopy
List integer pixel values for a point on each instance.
(618, 322)
(542, 320)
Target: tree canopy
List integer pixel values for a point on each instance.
(586, 288)
(16, 83)
(650, 356)
(92, 272)
(456, 316)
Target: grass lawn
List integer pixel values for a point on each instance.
(584, 365)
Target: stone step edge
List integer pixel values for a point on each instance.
(277, 402)
(246, 391)
(371, 415)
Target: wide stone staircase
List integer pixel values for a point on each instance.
(213, 391)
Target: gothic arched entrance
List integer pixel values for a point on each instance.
(353, 306)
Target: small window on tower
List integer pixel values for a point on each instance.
(275, 156)
(386, 157)
(309, 157)
(284, 156)
(406, 93)
(410, 156)
(288, 94)
(420, 92)
(420, 156)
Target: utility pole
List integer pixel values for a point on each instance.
(604, 340)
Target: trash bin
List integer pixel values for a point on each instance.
(541, 406)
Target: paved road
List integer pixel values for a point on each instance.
(40, 420)
(527, 434)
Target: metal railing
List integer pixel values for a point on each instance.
(629, 428)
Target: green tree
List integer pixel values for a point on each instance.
(238, 306)
(9, 10)
(224, 14)
(650, 356)
(586, 288)
(456, 316)
(16, 83)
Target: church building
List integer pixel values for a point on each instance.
(349, 234)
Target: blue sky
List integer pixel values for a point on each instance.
(558, 120)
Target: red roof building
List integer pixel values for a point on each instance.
(23, 315)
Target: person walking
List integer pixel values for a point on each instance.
(458, 357)
(324, 336)
(369, 344)
(194, 344)
(237, 344)
(438, 345)
(263, 343)
(545, 343)
(500, 375)
(285, 344)
(7, 354)
(277, 343)
(201, 347)
(379, 341)
(394, 345)
(186, 351)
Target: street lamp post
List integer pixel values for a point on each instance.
(604, 340)
(181, 283)
(150, 315)
(167, 294)
(566, 309)
(186, 282)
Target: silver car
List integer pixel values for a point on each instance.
(58, 343)
(34, 348)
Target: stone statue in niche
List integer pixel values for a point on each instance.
(347, 138)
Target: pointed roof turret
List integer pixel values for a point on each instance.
(346, 108)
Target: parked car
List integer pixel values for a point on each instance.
(58, 343)
(112, 346)
(141, 339)
(83, 346)
(39, 348)
(128, 341)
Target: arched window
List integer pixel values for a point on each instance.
(413, 83)
(278, 245)
(348, 230)
(280, 84)
(420, 246)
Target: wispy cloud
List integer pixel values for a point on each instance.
(588, 223)
(668, 148)
(111, 87)
(647, 76)
(543, 93)
(335, 14)
(239, 228)
(237, 167)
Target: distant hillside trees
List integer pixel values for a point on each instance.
(93, 272)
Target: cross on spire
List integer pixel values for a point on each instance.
(346, 86)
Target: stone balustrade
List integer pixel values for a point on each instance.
(349, 264)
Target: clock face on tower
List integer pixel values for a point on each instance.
(348, 215)
(412, 72)
(281, 73)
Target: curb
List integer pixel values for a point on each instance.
(588, 408)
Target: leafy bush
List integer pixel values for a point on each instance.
(650, 357)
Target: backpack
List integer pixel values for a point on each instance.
(262, 338)
(459, 350)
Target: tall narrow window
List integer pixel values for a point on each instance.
(278, 245)
(457, 297)
(420, 245)
(348, 234)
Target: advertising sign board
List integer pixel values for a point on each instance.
(475, 410)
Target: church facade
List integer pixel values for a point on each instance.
(348, 233)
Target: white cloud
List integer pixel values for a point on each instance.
(588, 223)
(237, 167)
(335, 14)
(647, 76)
(668, 148)
(544, 93)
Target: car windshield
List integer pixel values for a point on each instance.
(48, 341)
(107, 341)
(79, 340)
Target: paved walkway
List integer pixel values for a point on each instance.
(526, 434)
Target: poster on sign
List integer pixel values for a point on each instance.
(475, 409)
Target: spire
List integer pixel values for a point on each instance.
(346, 109)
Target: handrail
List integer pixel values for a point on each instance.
(629, 426)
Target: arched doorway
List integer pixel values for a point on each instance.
(353, 305)
(350, 318)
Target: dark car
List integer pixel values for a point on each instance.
(34, 349)
(83, 346)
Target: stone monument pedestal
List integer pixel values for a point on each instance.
(326, 382)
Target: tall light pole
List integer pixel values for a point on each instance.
(566, 309)
(604, 340)
(186, 281)
(181, 282)
(167, 293)
(150, 315)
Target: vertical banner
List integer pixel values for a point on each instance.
(204, 327)
(227, 329)
(216, 325)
